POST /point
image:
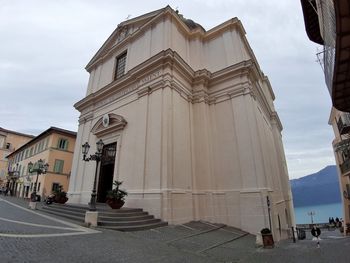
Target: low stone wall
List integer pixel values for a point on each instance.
(309, 226)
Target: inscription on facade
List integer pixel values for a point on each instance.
(116, 96)
(149, 78)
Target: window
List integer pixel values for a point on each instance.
(62, 144)
(58, 168)
(46, 143)
(55, 187)
(2, 141)
(8, 146)
(120, 66)
(41, 145)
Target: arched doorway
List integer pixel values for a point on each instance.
(105, 182)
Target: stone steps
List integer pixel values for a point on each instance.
(143, 216)
(138, 227)
(124, 219)
(132, 222)
(80, 217)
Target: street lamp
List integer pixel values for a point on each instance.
(14, 177)
(40, 168)
(311, 213)
(269, 210)
(94, 157)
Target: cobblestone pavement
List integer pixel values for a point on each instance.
(32, 236)
(333, 249)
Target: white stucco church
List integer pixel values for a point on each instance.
(191, 118)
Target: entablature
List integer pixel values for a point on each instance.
(168, 69)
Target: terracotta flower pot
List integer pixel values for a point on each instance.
(61, 200)
(115, 204)
(268, 240)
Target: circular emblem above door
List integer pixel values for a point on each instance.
(105, 120)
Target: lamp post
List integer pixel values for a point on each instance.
(15, 175)
(311, 213)
(40, 168)
(94, 157)
(269, 210)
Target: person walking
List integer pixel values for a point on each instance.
(316, 232)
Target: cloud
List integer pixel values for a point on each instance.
(45, 46)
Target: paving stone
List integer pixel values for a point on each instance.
(169, 244)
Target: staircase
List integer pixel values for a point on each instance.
(124, 219)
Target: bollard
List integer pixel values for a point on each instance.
(293, 234)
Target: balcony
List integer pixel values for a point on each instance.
(13, 175)
(344, 123)
(345, 166)
(342, 149)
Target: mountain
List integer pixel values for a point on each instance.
(317, 189)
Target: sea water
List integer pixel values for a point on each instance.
(321, 213)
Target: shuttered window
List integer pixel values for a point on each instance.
(62, 144)
(58, 168)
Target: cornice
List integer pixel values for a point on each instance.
(85, 118)
(201, 77)
(135, 80)
(268, 84)
(276, 120)
(245, 71)
(231, 24)
(116, 123)
(105, 49)
(260, 96)
(236, 70)
(161, 15)
(199, 86)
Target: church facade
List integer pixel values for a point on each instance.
(189, 119)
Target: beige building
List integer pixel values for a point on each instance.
(9, 142)
(191, 118)
(54, 146)
(340, 122)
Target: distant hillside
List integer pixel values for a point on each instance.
(317, 189)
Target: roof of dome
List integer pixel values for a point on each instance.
(189, 22)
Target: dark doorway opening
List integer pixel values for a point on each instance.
(105, 182)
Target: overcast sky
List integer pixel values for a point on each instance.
(45, 46)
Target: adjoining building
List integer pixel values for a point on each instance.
(188, 120)
(340, 122)
(9, 142)
(327, 23)
(54, 146)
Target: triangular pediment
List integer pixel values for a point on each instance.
(108, 123)
(123, 31)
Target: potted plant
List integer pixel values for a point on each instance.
(116, 197)
(267, 238)
(60, 196)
